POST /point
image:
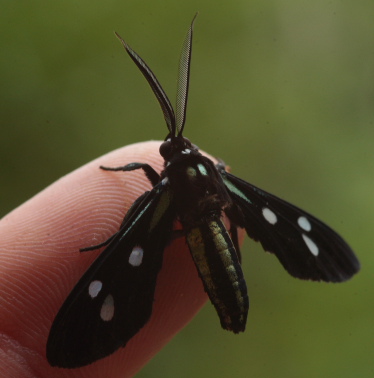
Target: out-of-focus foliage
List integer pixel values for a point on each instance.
(283, 91)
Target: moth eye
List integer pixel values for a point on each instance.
(107, 309)
(166, 149)
(269, 215)
(136, 256)
(94, 288)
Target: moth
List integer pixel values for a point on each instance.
(113, 299)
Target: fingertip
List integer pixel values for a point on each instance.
(82, 209)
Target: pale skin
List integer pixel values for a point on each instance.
(40, 263)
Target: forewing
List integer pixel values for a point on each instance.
(306, 247)
(113, 300)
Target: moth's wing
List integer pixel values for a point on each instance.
(113, 299)
(306, 247)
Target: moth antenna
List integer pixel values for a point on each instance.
(184, 79)
(166, 107)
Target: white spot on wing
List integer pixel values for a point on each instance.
(107, 309)
(269, 215)
(202, 169)
(136, 256)
(304, 224)
(94, 288)
(311, 245)
(186, 151)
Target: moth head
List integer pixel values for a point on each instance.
(177, 145)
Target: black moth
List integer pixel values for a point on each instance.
(113, 300)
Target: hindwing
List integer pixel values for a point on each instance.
(306, 247)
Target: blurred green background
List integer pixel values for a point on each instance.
(283, 91)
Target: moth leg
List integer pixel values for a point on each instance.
(151, 174)
(221, 165)
(235, 240)
(236, 220)
(97, 246)
(129, 213)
